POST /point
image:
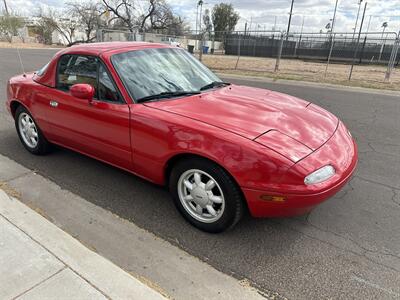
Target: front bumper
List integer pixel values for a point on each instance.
(340, 151)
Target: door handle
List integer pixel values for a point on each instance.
(53, 103)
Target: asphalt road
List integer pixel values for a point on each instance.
(349, 247)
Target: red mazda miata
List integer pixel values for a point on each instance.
(156, 111)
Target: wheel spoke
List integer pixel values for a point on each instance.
(188, 184)
(23, 121)
(197, 179)
(33, 140)
(216, 199)
(211, 210)
(199, 209)
(210, 185)
(188, 198)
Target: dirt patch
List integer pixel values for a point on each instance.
(9, 190)
(370, 76)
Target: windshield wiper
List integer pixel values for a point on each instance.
(167, 95)
(213, 85)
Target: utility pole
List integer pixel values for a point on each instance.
(358, 41)
(6, 7)
(290, 20)
(334, 17)
(197, 17)
(273, 29)
(358, 14)
(201, 11)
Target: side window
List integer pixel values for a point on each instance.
(74, 69)
(106, 89)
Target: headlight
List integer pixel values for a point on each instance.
(320, 175)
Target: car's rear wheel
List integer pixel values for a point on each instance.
(29, 133)
(206, 195)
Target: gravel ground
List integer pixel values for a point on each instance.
(371, 76)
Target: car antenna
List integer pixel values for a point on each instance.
(18, 52)
(20, 61)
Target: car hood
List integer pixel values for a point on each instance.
(251, 112)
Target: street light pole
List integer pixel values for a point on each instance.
(384, 25)
(334, 16)
(290, 20)
(358, 14)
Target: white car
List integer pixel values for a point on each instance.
(170, 41)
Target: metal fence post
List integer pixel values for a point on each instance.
(330, 53)
(297, 46)
(362, 50)
(237, 62)
(99, 35)
(392, 59)
(201, 46)
(278, 58)
(382, 48)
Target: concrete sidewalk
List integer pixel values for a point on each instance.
(162, 266)
(40, 261)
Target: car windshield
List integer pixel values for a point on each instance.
(162, 71)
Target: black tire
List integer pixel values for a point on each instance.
(43, 146)
(234, 202)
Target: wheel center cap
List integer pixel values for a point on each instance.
(200, 196)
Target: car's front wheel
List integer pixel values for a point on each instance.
(29, 133)
(206, 195)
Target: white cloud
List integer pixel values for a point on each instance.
(261, 13)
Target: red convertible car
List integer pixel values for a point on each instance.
(157, 112)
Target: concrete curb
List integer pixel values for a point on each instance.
(159, 264)
(310, 84)
(112, 281)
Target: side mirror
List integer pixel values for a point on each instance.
(82, 91)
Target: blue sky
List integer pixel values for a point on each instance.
(261, 13)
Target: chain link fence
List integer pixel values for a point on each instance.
(368, 59)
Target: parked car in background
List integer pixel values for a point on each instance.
(170, 41)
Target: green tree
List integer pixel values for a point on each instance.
(224, 19)
(45, 26)
(88, 17)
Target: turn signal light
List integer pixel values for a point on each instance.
(272, 198)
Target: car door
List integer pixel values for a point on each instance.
(99, 128)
